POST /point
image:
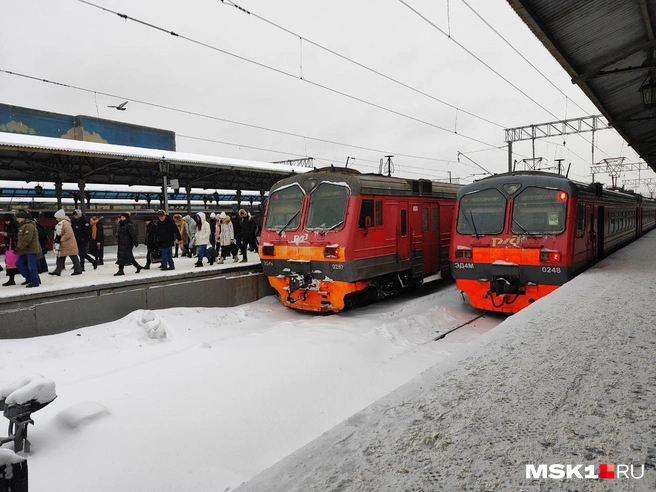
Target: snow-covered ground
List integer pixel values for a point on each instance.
(104, 274)
(204, 399)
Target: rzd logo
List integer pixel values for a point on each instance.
(499, 241)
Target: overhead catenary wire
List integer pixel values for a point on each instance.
(216, 118)
(451, 38)
(282, 72)
(359, 64)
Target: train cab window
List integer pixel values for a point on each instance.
(539, 211)
(424, 220)
(436, 220)
(285, 208)
(366, 212)
(481, 212)
(580, 219)
(379, 213)
(327, 209)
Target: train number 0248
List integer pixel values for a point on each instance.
(550, 269)
(463, 265)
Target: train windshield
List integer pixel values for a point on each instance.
(539, 211)
(327, 206)
(481, 212)
(284, 208)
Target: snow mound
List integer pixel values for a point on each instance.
(152, 325)
(205, 345)
(32, 387)
(81, 413)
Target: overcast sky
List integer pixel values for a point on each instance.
(72, 43)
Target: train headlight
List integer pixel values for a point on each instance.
(550, 256)
(268, 250)
(464, 253)
(562, 196)
(331, 251)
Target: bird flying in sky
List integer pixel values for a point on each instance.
(120, 107)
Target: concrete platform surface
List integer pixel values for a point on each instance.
(570, 381)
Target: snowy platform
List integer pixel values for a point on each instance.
(570, 380)
(68, 302)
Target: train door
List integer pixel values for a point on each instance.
(600, 231)
(591, 236)
(430, 237)
(403, 233)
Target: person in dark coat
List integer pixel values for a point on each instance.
(152, 242)
(10, 235)
(247, 227)
(168, 234)
(42, 264)
(82, 230)
(97, 239)
(212, 223)
(27, 247)
(127, 239)
(236, 226)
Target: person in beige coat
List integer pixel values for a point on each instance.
(65, 244)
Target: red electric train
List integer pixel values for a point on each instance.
(333, 237)
(519, 236)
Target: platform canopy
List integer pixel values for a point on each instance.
(33, 158)
(607, 48)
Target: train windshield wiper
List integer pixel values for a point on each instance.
(473, 223)
(524, 228)
(288, 222)
(335, 226)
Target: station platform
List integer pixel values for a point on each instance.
(66, 302)
(571, 380)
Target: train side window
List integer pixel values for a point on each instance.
(424, 220)
(612, 222)
(366, 212)
(436, 220)
(580, 219)
(379, 213)
(404, 225)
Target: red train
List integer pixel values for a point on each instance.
(519, 236)
(334, 237)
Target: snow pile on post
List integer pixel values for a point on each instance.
(30, 388)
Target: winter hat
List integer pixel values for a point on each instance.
(22, 215)
(212, 215)
(77, 212)
(124, 214)
(161, 213)
(222, 215)
(60, 214)
(8, 217)
(242, 211)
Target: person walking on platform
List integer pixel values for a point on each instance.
(225, 237)
(202, 239)
(151, 240)
(10, 235)
(191, 232)
(212, 223)
(236, 225)
(127, 240)
(42, 264)
(167, 234)
(183, 241)
(97, 240)
(27, 247)
(82, 230)
(64, 244)
(247, 233)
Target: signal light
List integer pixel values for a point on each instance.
(550, 256)
(331, 251)
(464, 253)
(562, 196)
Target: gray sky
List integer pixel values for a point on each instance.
(73, 43)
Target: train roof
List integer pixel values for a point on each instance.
(551, 180)
(371, 184)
